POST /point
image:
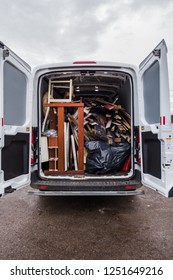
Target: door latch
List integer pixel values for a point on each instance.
(5, 54)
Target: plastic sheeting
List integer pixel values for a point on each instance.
(103, 158)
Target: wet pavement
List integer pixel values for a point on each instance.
(33, 227)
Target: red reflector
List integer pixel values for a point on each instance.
(32, 161)
(84, 62)
(163, 120)
(128, 187)
(2, 122)
(43, 187)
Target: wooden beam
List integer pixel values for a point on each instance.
(81, 138)
(61, 138)
(61, 104)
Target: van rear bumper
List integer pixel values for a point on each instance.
(86, 193)
(86, 187)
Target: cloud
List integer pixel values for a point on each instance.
(58, 29)
(138, 5)
(46, 31)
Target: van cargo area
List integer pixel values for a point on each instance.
(86, 125)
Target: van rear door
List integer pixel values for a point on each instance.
(155, 122)
(15, 121)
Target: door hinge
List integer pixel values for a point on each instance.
(1, 45)
(157, 52)
(6, 53)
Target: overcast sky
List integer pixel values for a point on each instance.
(45, 31)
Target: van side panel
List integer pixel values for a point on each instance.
(151, 146)
(14, 155)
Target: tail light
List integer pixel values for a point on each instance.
(43, 187)
(128, 187)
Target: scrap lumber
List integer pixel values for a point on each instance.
(106, 121)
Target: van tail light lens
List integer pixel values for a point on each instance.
(43, 187)
(128, 187)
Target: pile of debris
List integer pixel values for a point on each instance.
(107, 134)
(106, 121)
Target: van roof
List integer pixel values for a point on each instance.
(82, 63)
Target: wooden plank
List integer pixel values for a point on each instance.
(65, 146)
(126, 124)
(68, 143)
(61, 104)
(61, 136)
(53, 119)
(127, 114)
(108, 105)
(74, 153)
(53, 141)
(81, 138)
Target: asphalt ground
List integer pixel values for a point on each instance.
(139, 227)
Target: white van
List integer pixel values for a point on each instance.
(56, 122)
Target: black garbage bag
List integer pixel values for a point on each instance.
(103, 158)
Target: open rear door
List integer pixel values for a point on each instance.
(155, 122)
(15, 121)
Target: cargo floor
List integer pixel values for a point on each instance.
(85, 185)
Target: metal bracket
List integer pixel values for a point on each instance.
(6, 53)
(157, 52)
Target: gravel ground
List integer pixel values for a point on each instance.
(33, 227)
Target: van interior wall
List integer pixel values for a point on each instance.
(124, 98)
(43, 90)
